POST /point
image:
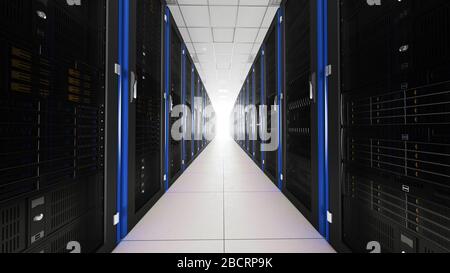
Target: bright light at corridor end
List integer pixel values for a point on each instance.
(223, 126)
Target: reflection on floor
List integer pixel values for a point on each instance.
(224, 203)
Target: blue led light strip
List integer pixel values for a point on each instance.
(325, 54)
(124, 25)
(166, 94)
(119, 144)
(322, 61)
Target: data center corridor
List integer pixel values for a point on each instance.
(221, 205)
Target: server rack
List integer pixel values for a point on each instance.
(202, 142)
(257, 115)
(271, 65)
(301, 111)
(176, 52)
(391, 185)
(145, 109)
(190, 79)
(59, 121)
(195, 115)
(247, 115)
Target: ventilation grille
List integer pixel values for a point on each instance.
(65, 205)
(12, 228)
(16, 15)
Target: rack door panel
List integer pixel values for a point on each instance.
(257, 117)
(175, 100)
(52, 124)
(271, 97)
(300, 106)
(147, 116)
(395, 81)
(188, 102)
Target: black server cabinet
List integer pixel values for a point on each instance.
(252, 113)
(146, 116)
(257, 117)
(58, 104)
(190, 78)
(247, 115)
(242, 118)
(300, 122)
(196, 114)
(175, 147)
(205, 95)
(392, 86)
(202, 117)
(271, 64)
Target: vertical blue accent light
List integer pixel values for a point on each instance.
(166, 94)
(119, 144)
(280, 95)
(183, 102)
(325, 54)
(124, 21)
(263, 96)
(322, 115)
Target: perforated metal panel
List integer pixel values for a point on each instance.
(258, 104)
(175, 99)
(271, 96)
(148, 102)
(188, 103)
(298, 100)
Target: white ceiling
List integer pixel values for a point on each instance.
(224, 36)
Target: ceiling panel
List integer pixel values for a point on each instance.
(251, 16)
(223, 16)
(204, 48)
(223, 48)
(246, 35)
(196, 16)
(261, 35)
(223, 35)
(193, 2)
(254, 2)
(223, 2)
(200, 35)
(185, 34)
(177, 15)
(243, 48)
(268, 18)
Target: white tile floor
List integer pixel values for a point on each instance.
(224, 203)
